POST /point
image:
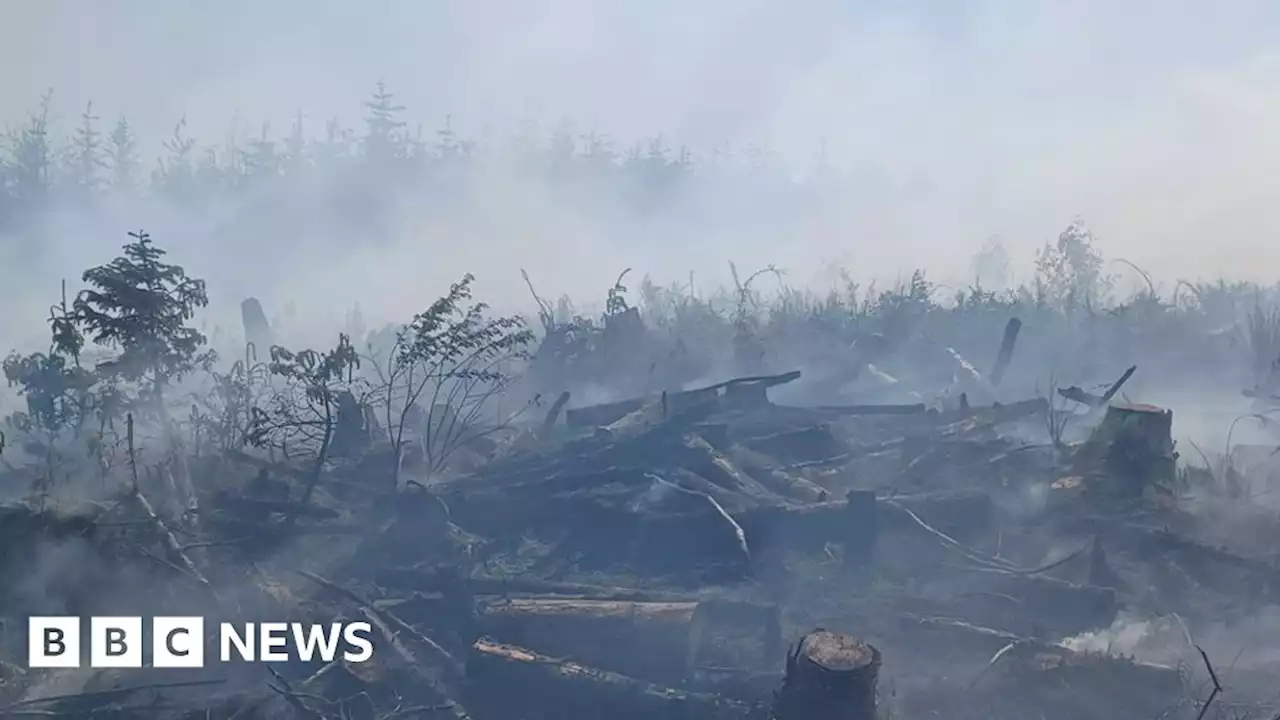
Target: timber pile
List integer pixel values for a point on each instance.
(655, 557)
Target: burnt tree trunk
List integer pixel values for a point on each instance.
(829, 676)
(256, 328)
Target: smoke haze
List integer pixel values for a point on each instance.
(952, 123)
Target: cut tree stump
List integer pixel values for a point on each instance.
(1134, 446)
(830, 676)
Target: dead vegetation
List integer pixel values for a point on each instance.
(926, 538)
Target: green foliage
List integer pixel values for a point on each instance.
(55, 386)
(56, 391)
(454, 339)
(140, 305)
(305, 411)
(227, 414)
(1070, 271)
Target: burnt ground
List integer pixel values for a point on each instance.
(660, 558)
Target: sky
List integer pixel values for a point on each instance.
(1156, 122)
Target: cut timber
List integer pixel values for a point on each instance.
(1134, 445)
(807, 444)
(961, 514)
(647, 640)
(656, 641)
(598, 415)
(441, 580)
(509, 681)
(699, 456)
(776, 480)
(829, 676)
(861, 410)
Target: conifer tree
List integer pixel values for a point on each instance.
(88, 156)
(384, 139)
(32, 158)
(122, 156)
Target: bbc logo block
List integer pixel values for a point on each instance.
(178, 642)
(53, 642)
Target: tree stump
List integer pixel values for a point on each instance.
(256, 328)
(1134, 446)
(830, 676)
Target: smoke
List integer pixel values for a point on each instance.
(954, 124)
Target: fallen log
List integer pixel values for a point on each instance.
(780, 482)
(810, 527)
(997, 413)
(798, 445)
(648, 640)
(872, 410)
(1077, 394)
(605, 414)
(698, 455)
(662, 642)
(829, 675)
(442, 580)
(512, 681)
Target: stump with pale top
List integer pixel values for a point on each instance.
(830, 676)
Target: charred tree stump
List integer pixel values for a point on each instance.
(829, 676)
(1134, 446)
(256, 328)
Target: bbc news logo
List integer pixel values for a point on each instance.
(179, 642)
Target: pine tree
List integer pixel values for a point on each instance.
(260, 158)
(384, 139)
(122, 156)
(140, 305)
(176, 173)
(88, 156)
(32, 158)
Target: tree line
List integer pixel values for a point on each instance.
(96, 160)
